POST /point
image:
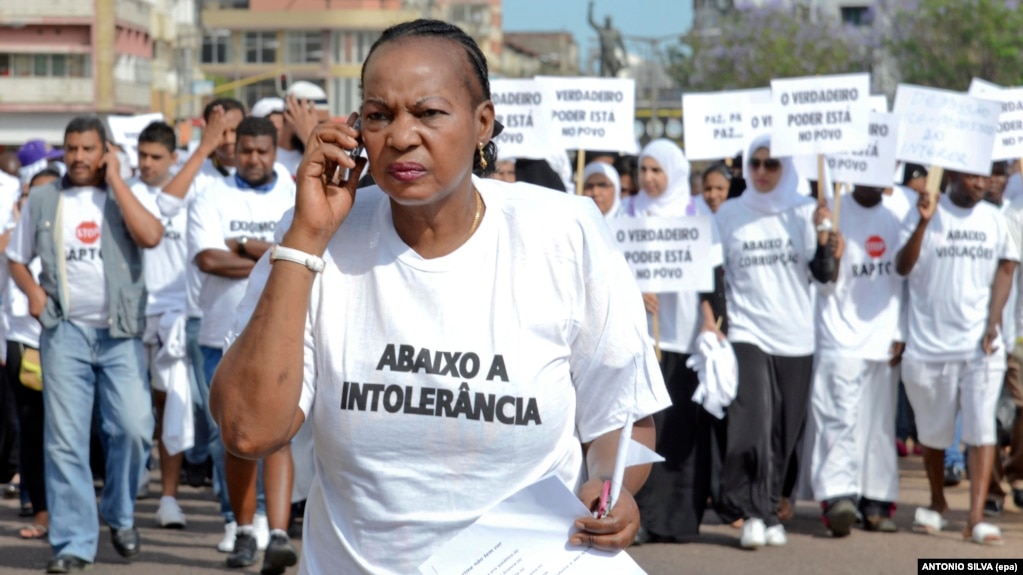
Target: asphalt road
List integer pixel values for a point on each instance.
(810, 550)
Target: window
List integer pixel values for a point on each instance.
(304, 47)
(44, 65)
(856, 15)
(353, 47)
(216, 47)
(260, 47)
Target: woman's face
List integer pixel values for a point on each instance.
(715, 190)
(504, 171)
(764, 171)
(652, 178)
(419, 123)
(600, 188)
(628, 186)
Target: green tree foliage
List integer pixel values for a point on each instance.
(946, 43)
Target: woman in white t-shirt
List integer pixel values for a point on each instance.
(674, 498)
(460, 339)
(773, 242)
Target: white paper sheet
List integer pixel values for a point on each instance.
(527, 534)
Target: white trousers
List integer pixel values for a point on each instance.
(853, 409)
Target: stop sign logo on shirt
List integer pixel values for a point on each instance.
(875, 246)
(87, 232)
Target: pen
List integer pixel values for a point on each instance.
(605, 503)
(618, 474)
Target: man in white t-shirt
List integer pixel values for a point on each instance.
(230, 226)
(960, 262)
(165, 284)
(88, 232)
(212, 161)
(855, 382)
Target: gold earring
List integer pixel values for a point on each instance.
(483, 161)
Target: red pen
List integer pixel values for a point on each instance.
(605, 501)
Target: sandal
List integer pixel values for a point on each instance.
(985, 534)
(928, 521)
(34, 531)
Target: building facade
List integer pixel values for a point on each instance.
(63, 58)
(247, 45)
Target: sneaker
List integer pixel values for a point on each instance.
(169, 514)
(244, 554)
(839, 516)
(753, 534)
(877, 516)
(775, 536)
(953, 476)
(262, 528)
(226, 544)
(280, 554)
(992, 508)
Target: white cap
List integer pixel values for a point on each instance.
(267, 106)
(308, 91)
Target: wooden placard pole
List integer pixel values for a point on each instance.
(934, 174)
(580, 165)
(839, 188)
(657, 337)
(821, 200)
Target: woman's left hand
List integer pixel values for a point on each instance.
(613, 531)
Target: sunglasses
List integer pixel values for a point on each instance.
(770, 164)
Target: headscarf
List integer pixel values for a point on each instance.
(612, 174)
(784, 196)
(677, 198)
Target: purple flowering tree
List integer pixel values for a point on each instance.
(753, 44)
(946, 43)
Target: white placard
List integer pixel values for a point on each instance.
(518, 105)
(590, 113)
(125, 130)
(874, 164)
(945, 128)
(820, 114)
(714, 126)
(667, 254)
(879, 103)
(1009, 134)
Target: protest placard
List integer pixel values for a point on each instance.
(879, 103)
(518, 105)
(820, 114)
(589, 113)
(667, 254)
(946, 129)
(874, 164)
(125, 130)
(714, 124)
(1009, 134)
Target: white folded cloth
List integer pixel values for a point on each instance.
(172, 374)
(714, 361)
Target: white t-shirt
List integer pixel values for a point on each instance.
(767, 276)
(859, 315)
(225, 211)
(19, 324)
(194, 277)
(1014, 221)
(442, 386)
(165, 264)
(901, 201)
(290, 159)
(950, 285)
(81, 211)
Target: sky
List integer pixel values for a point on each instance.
(634, 18)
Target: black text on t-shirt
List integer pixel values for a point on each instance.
(769, 252)
(965, 244)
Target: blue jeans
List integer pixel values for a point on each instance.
(200, 394)
(211, 358)
(83, 365)
(954, 453)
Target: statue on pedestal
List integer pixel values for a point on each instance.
(613, 55)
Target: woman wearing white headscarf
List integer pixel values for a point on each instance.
(601, 182)
(673, 500)
(775, 240)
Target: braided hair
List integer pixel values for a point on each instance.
(480, 90)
